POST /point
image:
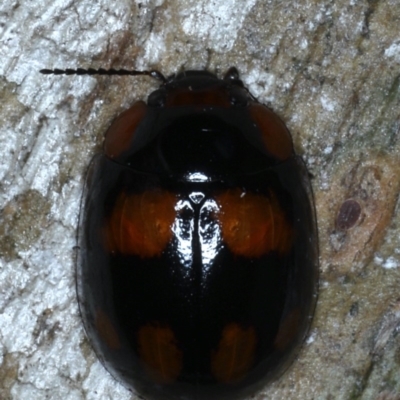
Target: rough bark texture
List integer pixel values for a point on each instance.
(330, 69)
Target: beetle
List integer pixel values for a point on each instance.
(198, 265)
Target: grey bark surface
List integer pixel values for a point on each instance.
(331, 70)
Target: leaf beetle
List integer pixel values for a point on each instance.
(198, 265)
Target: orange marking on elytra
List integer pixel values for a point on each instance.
(288, 330)
(235, 353)
(159, 352)
(120, 134)
(106, 330)
(252, 224)
(276, 137)
(141, 224)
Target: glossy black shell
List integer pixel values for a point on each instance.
(198, 264)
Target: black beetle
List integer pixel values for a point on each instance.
(198, 265)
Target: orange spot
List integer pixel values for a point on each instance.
(106, 330)
(276, 136)
(159, 352)
(205, 97)
(235, 353)
(288, 330)
(140, 224)
(120, 134)
(253, 225)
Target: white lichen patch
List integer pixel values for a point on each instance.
(216, 22)
(393, 51)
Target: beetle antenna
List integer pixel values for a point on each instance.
(101, 71)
